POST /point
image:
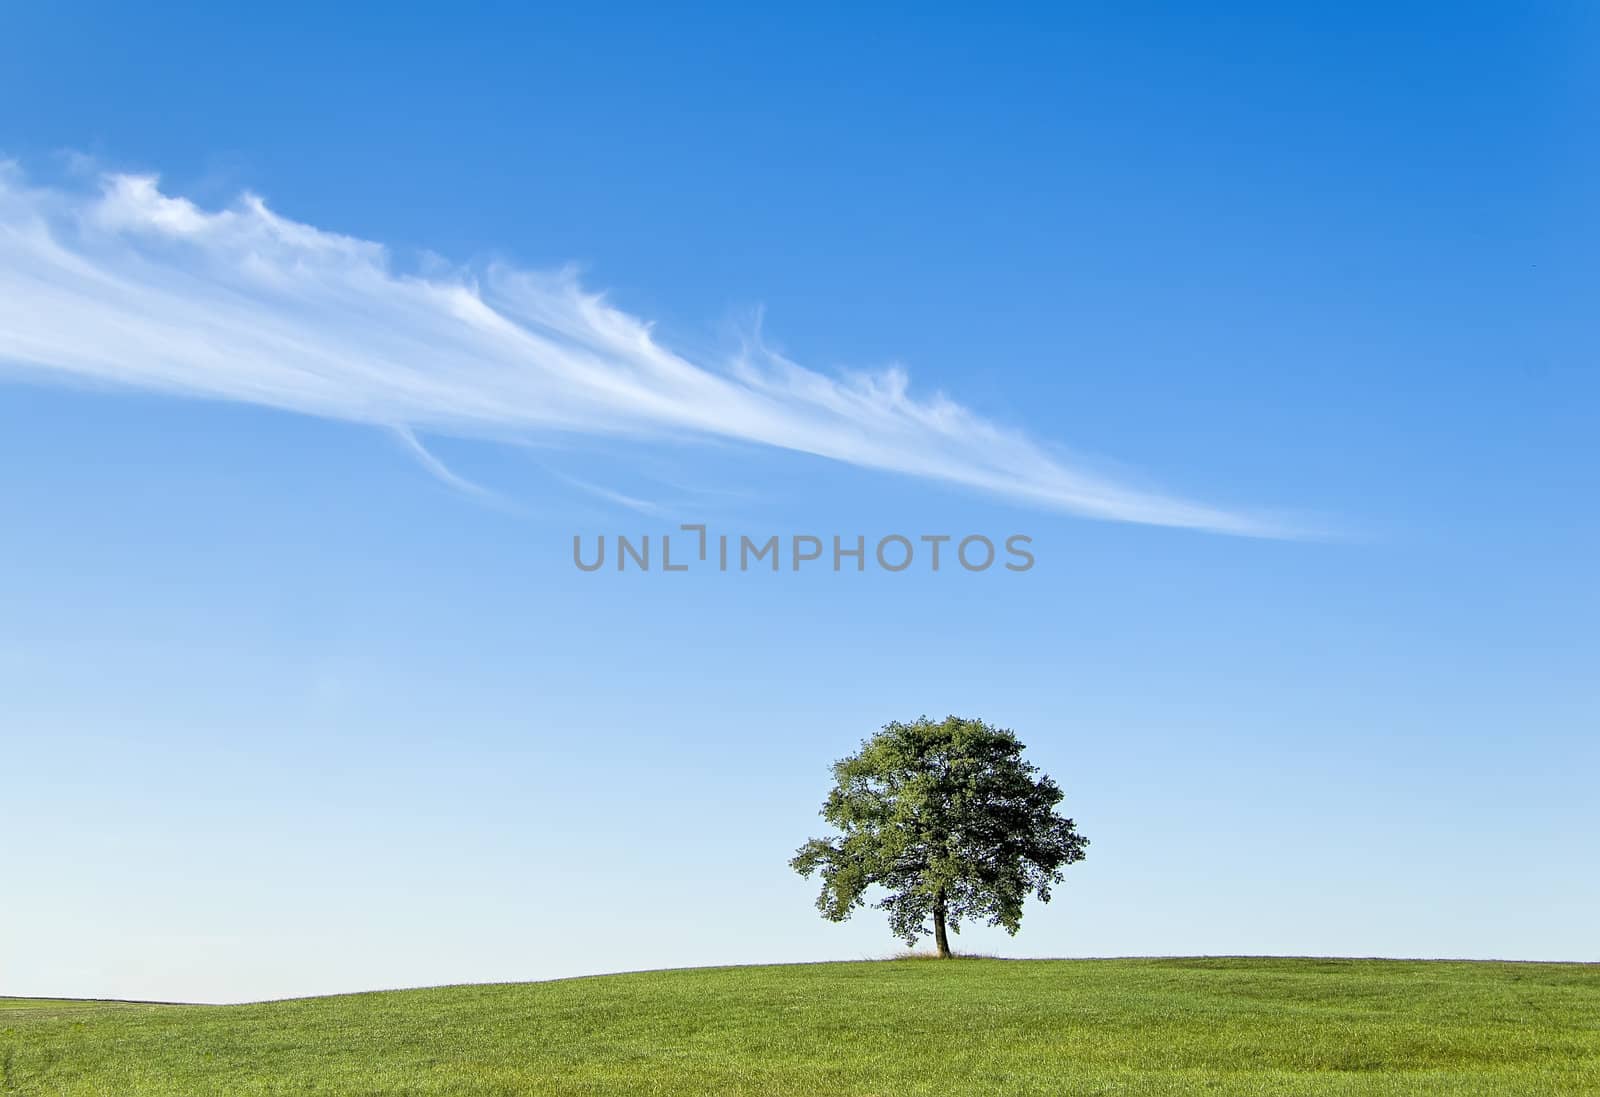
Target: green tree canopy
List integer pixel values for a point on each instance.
(949, 820)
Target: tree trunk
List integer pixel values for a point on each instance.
(939, 937)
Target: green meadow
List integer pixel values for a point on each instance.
(1231, 1027)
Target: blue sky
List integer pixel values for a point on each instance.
(1301, 298)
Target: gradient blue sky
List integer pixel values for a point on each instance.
(283, 713)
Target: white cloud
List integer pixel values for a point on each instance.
(128, 285)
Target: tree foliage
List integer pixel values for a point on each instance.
(949, 820)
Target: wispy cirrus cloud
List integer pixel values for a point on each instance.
(123, 283)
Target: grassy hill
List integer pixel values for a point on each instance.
(1230, 1027)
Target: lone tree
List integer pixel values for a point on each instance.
(950, 820)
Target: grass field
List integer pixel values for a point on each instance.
(1137, 1027)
